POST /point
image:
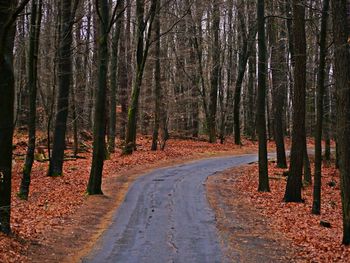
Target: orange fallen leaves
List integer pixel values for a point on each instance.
(53, 200)
(314, 242)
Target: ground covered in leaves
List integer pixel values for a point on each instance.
(40, 223)
(269, 218)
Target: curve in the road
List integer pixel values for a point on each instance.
(165, 217)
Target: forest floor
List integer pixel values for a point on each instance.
(60, 223)
(243, 213)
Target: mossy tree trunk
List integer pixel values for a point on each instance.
(143, 42)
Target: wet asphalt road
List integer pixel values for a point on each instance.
(166, 217)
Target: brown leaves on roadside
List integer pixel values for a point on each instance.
(53, 200)
(313, 242)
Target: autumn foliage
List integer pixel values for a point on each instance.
(54, 199)
(309, 240)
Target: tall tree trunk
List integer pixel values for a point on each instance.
(7, 34)
(214, 81)
(279, 87)
(294, 182)
(316, 204)
(64, 85)
(250, 129)
(261, 101)
(125, 71)
(157, 85)
(95, 179)
(342, 84)
(114, 82)
(143, 44)
(248, 40)
(32, 72)
(327, 116)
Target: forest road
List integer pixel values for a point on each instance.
(166, 217)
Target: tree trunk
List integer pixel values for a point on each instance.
(98, 157)
(246, 47)
(32, 72)
(294, 182)
(279, 87)
(327, 116)
(7, 34)
(261, 101)
(342, 84)
(215, 72)
(316, 204)
(143, 44)
(114, 82)
(157, 85)
(64, 85)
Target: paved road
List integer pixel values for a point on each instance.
(166, 217)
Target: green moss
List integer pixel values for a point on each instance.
(25, 169)
(22, 196)
(56, 174)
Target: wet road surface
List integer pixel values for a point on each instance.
(166, 217)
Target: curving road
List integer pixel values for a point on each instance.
(165, 217)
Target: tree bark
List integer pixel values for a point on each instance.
(261, 101)
(294, 182)
(279, 85)
(143, 44)
(316, 204)
(157, 84)
(98, 157)
(8, 15)
(342, 84)
(64, 85)
(246, 47)
(114, 82)
(214, 81)
(32, 75)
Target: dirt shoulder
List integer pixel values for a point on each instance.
(245, 234)
(257, 225)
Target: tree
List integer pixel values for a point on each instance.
(114, 82)
(342, 85)
(279, 83)
(99, 144)
(245, 50)
(294, 182)
(64, 85)
(214, 80)
(157, 84)
(8, 16)
(316, 205)
(95, 179)
(261, 101)
(32, 72)
(143, 40)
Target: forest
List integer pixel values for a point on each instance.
(98, 81)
